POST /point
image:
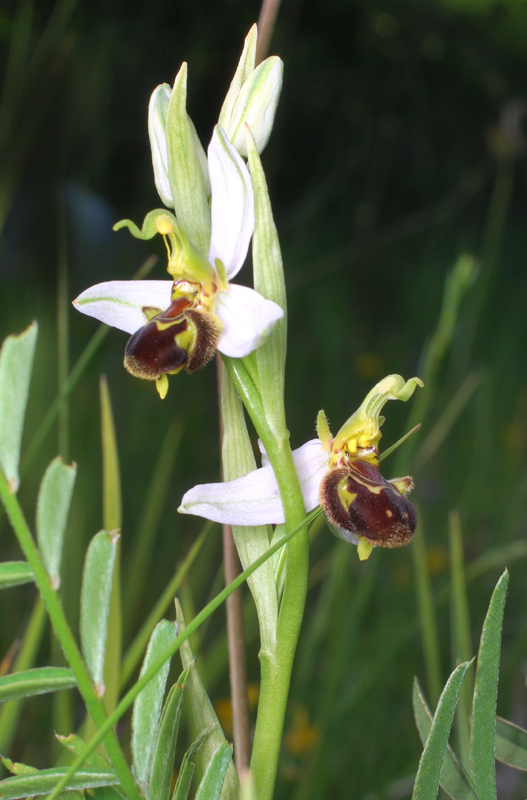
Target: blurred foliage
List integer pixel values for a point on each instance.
(398, 147)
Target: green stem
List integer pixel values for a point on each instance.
(136, 650)
(65, 637)
(277, 667)
(191, 627)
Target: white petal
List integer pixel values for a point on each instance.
(121, 303)
(248, 319)
(311, 462)
(232, 204)
(157, 118)
(254, 499)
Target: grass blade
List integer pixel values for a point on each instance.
(137, 648)
(462, 645)
(482, 738)
(148, 703)
(15, 573)
(10, 713)
(186, 772)
(76, 745)
(427, 617)
(214, 778)
(42, 782)
(453, 779)
(95, 603)
(35, 681)
(112, 518)
(203, 711)
(16, 361)
(158, 489)
(53, 505)
(429, 771)
(165, 746)
(511, 744)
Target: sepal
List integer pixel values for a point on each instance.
(157, 121)
(188, 183)
(244, 69)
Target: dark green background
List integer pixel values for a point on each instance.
(386, 163)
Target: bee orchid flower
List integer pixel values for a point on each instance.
(341, 474)
(180, 323)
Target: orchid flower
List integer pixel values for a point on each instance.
(181, 322)
(341, 474)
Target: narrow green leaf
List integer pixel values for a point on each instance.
(35, 681)
(204, 714)
(95, 603)
(32, 636)
(74, 744)
(453, 779)
(159, 488)
(482, 737)
(165, 746)
(53, 504)
(186, 771)
(106, 793)
(269, 281)
(429, 770)
(214, 778)
(251, 542)
(189, 190)
(427, 614)
(16, 361)
(462, 644)
(15, 573)
(133, 655)
(112, 512)
(147, 705)
(17, 768)
(112, 520)
(511, 744)
(42, 782)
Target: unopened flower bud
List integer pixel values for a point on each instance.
(255, 106)
(157, 120)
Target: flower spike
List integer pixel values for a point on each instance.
(180, 323)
